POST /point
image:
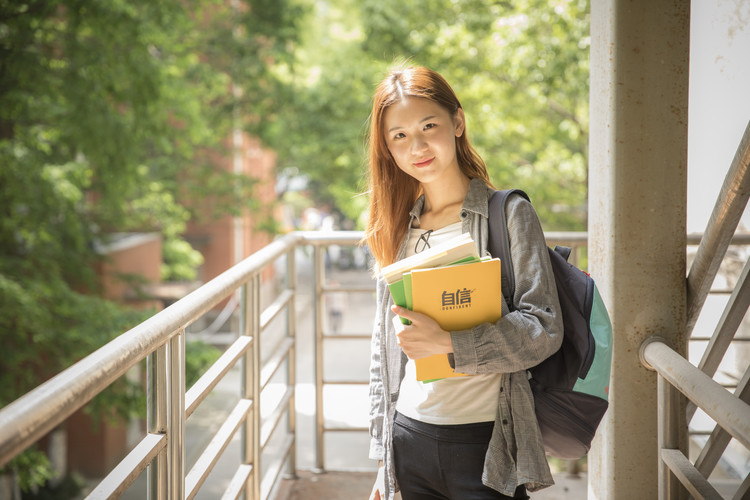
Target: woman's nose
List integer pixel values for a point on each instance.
(418, 144)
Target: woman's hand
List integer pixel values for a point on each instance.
(423, 337)
(379, 483)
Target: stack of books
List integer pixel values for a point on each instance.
(454, 286)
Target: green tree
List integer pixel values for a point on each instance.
(520, 69)
(111, 115)
(322, 120)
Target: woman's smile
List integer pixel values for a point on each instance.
(423, 163)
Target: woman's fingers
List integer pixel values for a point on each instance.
(406, 313)
(423, 337)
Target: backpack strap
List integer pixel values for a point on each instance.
(498, 242)
(564, 251)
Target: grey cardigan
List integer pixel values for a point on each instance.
(517, 341)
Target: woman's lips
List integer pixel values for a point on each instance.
(423, 163)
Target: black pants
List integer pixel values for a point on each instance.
(443, 462)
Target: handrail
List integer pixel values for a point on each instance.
(730, 412)
(725, 217)
(33, 415)
(161, 341)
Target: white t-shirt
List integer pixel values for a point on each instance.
(449, 401)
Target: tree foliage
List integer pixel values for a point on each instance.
(111, 117)
(520, 69)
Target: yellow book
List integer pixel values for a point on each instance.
(458, 298)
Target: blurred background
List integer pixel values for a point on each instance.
(146, 146)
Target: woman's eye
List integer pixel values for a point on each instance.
(429, 126)
(399, 135)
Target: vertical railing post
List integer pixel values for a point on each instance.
(291, 283)
(176, 416)
(669, 406)
(246, 433)
(250, 325)
(254, 318)
(156, 420)
(319, 277)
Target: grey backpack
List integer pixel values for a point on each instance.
(571, 387)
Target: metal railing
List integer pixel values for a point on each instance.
(161, 341)
(732, 415)
(676, 376)
(577, 241)
(321, 288)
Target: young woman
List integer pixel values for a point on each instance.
(463, 438)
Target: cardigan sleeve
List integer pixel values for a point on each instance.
(533, 331)
(376, 388)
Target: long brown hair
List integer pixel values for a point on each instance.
(393, 192)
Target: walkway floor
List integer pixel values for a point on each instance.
(357, 485)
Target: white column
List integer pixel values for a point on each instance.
(637, 228)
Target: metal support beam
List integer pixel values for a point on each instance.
(668, 438)
(682, 469)
(318, 305)
(727, 213)
(248, 382)
(156, 415)
(719, 439)
(254, 318)
(637, 227)
(726, 329)
(176, 417)
(291, 266)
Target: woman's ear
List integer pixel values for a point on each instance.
(459, 122)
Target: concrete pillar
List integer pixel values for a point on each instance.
(637, 221)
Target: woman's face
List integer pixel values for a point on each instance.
(421, 136)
